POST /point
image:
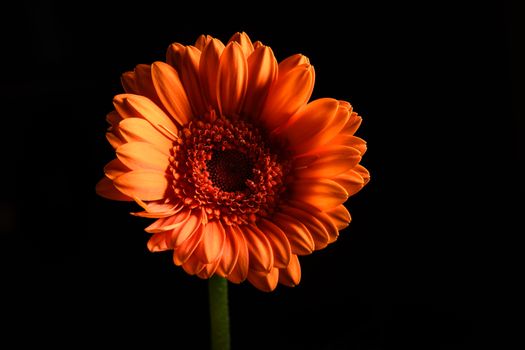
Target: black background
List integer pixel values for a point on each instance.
(417, 266)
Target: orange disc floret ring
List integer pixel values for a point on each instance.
(241, 172)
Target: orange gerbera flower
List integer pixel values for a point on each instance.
(221, 146)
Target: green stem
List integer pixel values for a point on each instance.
(220, 321)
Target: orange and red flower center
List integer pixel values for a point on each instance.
(229, 170)
(225, 167)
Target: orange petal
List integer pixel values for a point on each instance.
(309, 121)
(209, 269)
(264, 281)
(340, 216)
(329, 162)
(140, 130)
(142, 155)
(327, 133)
(212, 243)
(182, 253)
(289, 93)
(160, 242)
(106, 189)
(291, 275)
(262, 72)
(169, 223)
(257, 44)
(193, 266)
(292, 62)
(189, 74)
(323, 218)
(353, 123)
(114, 140)
(358, 143)
(115, 168)
(202, 41)
(301, 241)
(230, 253)
(208, 70)
(261, 254)
(315, 227)
(279, 242)
(113, 118)
(171, 92)
(148, 185)
(142, 83)
(135, 106)
(321, 193)
(363, 172)
(352, 181)
(157, 210)
(240, 271)
(244, 42)
(183, 232)
(174, 55)
(232, 80)
(129, 83)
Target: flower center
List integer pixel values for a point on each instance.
(226, 168)
(229, 170)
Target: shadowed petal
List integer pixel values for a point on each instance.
(106, 189)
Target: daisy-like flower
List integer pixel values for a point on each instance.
(242, 173)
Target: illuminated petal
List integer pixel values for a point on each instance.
(212, 243)
(264, 281)
(290, 92)
(142, 155)
(321, 193)
(135, 106)
(244, 42)
(240, 271)
(140, 130)
(280, 245)
(291, 275)
(148, 185)
(171, 92)
(327, 162)
(261, 254)
(262, 72)
(208, 70)
(301, 240)
(232, 80)
(340, 216)
(115, 168)
(189, 72)
(316, 229)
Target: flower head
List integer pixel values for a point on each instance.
(242, 173)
